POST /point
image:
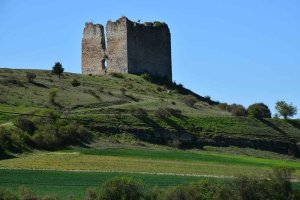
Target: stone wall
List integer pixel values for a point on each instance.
(131, 48)
(93, 49)
(149, 49)
(117, 45)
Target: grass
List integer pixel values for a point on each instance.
(149, 161)
(188, 156)
(73, 171)
(104, 105)
(64, 184)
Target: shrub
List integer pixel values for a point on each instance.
(117, 75)
(146, 76)
(138, 112)
(52, 95)
(162, 113)
(286, 110)
(277, 186)
(91, 194)
(176, 143)
(75, 83)
(154, 193)
(207, 98)
(46, 137)
(259, 110)
(237, 110)
(123, 91)
(223, 106)
(174, 112)
(7, 194)
(48, 197)
(30, 76)
(101, 89)
(25, 124)
(26, 194)
(93, 93)
(190, 100)
(202, 190)
(124, 188)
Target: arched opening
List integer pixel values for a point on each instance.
(104, 65)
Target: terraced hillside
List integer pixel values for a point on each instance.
(157, 113)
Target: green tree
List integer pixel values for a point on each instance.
(58, 69)
(285, 110)
(259, 110)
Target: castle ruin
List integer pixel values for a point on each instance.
(129, 47)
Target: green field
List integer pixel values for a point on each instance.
(149, 161)
(73, 171)
(64, 184)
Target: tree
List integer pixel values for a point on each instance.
(58, 69)
(285, 110)
(237, 110)
(30, 76)
(259, 110)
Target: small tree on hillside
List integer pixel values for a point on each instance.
(259, 110)
(58, 69)
(285, 110)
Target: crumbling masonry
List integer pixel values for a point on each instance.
(130, 47)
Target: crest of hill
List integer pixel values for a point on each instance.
(154, 111)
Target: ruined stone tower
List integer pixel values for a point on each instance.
(131, 48)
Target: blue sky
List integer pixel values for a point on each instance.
(234, 51)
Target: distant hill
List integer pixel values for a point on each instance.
(155, 112)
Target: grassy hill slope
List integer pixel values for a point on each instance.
(155, 113)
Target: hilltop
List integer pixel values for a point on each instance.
(152, 111)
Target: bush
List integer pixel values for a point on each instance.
(190, 100)
(259, 110)
(7, 194)
(237, 110)
(27, 194)
(223, 106)
(52, 95)
(30, 76)
(123, 91)
(203, 190)
(174, 112)
(91, 194)
(46, 137)
(124, 188)
(162, 113)
(101, 89)
(25, 124)
(138, 112)
(117, 75)
(75, 83)
(59, 134)
(11, 139)
(146, 76)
